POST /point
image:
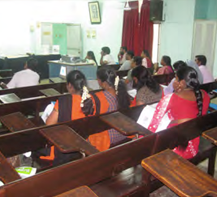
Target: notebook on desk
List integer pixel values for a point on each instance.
(62, 76)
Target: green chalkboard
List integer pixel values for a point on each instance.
(60, 37)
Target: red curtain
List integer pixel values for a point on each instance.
(145, 28)
(138, 34)
(130, 27)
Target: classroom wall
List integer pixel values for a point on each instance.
(19, 19)
(176, 32)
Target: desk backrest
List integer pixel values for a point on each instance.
(208, 87)
(33, 91)
(164, 79)
(12, 144)
(87, 171)
(182, 133)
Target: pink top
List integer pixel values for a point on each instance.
(165, 70)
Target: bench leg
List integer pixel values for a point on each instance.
(211, 163)
(146, 179)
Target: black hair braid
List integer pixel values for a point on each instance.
(190, 77)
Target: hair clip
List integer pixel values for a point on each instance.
(84, 96)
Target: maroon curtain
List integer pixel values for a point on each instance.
(130, 27)
(138, 34)
(145, 28)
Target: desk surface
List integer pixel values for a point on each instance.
(181, 176)
(83, 191)
(124, 124)
(70, 64)
(67, 140)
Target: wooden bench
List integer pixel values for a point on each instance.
(34, 91)
(211, 135)
(121, 182)
(6, 73)
(85, 171)
(180, 175)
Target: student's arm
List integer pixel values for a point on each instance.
(53, 118)
(103, 62)
(139, 103)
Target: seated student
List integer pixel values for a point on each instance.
(77, 104)
(167, 68)
(146, 61)
(207, 75)
(127, 64)
(169, 89)
(106, 58)
(122, 55)
(90, 58)
(136, 61)
(68, 107)
(26, 77)
(188, 102)
(113, 97)
(148, 90)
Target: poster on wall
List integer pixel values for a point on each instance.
(94, 10)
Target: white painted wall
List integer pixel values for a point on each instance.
(177, 30)
(17, 16)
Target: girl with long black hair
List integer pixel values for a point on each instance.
(113, 97)
(186, 103)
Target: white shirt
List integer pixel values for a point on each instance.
(123, 59)
(126, 65)
(24, 78)
(108, 58)
(144, 62)
(207, 75)
(169, 89)
(91, 62)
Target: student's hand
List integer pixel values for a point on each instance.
(102, 53)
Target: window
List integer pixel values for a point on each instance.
(155, 49)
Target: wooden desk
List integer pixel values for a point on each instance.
(211, 135)
(79, 192)
(7, 172)
(16, 122)
(184, 178)
(67, 140)
(124, 124)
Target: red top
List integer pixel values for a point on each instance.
(184, 109)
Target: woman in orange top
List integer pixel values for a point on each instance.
(75, 105)
(113, 97)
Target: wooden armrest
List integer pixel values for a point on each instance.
(7, 172)
(83, 191)
(124, 124)
(9, 98)
(179, 175)
(211, 135)
(67, 140)
(16, 122)
(50, 92)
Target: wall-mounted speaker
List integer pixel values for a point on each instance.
(156, 10)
